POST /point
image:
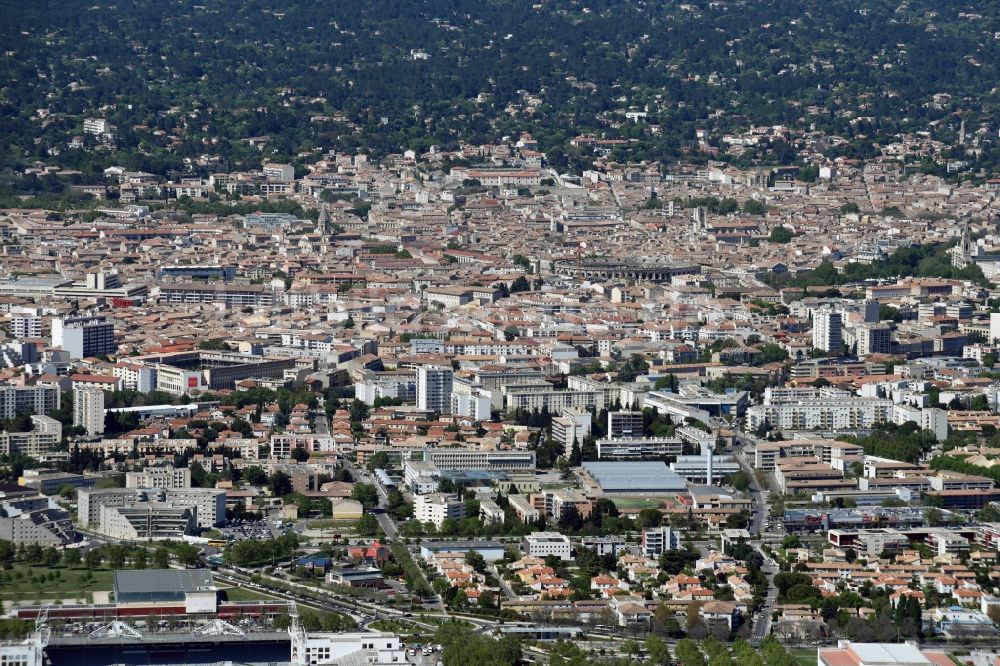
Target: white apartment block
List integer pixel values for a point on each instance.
(873, 339)
(447, 458)
(41, 440)
(88, 410)
(282, 445)
(477, 406)
(928, 418)
(434, 388)
(767, 454)
(84, 336)
(827, 331)
(994, 328)
(554, 401)
(490, 512)
(625, 424)
(401, 387)
(96, 126)
(135, 376)
(159, 477)
(572, 425)
(523, 508)
(638, 448)
(35, 520)
(542, 544)
(656, 540)
(36, 399)
(818, 409)
(25, 323)
(437, 507)
(178, 381)
(280, 172)
(421, 477)
(154, 521)
(209, 503)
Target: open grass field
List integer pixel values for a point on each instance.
(27, 583)
(804, 656)
(637, 503)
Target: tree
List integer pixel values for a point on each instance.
(786, 581)
(675, 560)
(688, 654)
(488, 600)
(740, 481)
(781, 235)
(115, 555)
(280, 484)
(576, 454)
(462, 646)
(161, 558)
(476, 560)
(980, 403)
(649, 518)
(379, 460)
(365, 493)
(367, 525)
(657, 650)
(51, 557)
(8, 551)
(520, 284)
(71, 557)
(93, 558)
(188, 554)
(666, 382)
(254, 475)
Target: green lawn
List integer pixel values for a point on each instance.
(390, 625)
(805, 656)
(24, 582)
(637, 503)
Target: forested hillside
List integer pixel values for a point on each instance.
(181, 78)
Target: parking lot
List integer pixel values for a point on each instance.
(425, 655)
(263, 529)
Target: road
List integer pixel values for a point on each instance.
(385, 521)
(504, 586)
(762, 622)
(760, 507)
(362, 611)
(761, 510)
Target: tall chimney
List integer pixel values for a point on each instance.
(708, 468)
